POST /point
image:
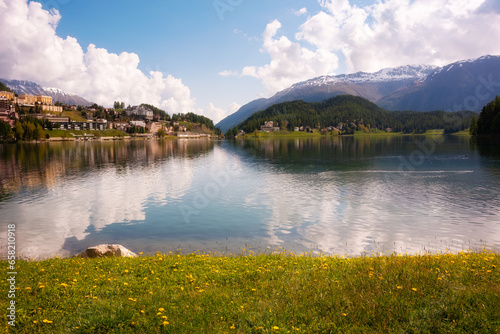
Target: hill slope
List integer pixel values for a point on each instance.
(464, 85)
(349, 113)
(371, 86)
(420, 88)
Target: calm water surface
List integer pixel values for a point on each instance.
(335, 195)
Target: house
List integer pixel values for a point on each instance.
(269, 127)
(8, 95)
(154, 127)
(141, 112)
(140, 124)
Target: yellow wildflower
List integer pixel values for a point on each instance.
(161, 309)
(47, 321)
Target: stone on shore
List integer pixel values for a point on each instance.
(107, 250)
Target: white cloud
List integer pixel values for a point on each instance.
(290, 62)
(31, 50)
(228, 73)
(393, 32)
(218, 114)
(301, 11)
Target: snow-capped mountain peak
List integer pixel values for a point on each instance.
(408, 72)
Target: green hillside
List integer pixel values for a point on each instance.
(353, 113)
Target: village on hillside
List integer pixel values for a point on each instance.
(138, 121)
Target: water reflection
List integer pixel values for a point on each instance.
(335, 195)
(70, 190)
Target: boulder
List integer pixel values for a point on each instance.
(107, 250)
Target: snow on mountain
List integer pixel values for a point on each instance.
(32, 88)
(409, 72)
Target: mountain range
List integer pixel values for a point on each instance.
(32, 88)
(464, 85)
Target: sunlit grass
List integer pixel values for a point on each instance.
(249, 293)
(98, 133)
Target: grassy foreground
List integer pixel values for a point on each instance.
(282, 293)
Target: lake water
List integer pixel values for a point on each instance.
(346, 195)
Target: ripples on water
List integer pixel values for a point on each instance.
(333, 195)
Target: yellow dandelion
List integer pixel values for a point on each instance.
(232, 327)
(276, 328)
(399, 287)
(126, 271)
(133, 323)
(165, 323)
(34, 321)
(142, 312)
(159, 313)
(164, 317)
(125, 283)
(41, 286)
(414, 289)
(161, 309)
(344, 314)
(47, 321)
(28, 288)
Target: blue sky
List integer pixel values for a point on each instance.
(190, 56)
(189, 41)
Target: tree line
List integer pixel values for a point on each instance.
(26, 129)
(488, 123)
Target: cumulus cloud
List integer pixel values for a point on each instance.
(290, 62)
(31, 50)
(393, 32)
(218, 114)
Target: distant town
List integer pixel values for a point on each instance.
(137, 121)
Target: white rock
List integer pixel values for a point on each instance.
(107, 250)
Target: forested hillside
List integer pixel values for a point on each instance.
(348, 112)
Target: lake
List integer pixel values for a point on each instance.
(336, 195)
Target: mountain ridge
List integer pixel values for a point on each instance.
(404, 88)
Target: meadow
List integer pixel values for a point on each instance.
(258, 293)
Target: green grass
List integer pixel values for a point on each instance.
(283, 133)
(464, 133)
(98, 133)
(74, 115)
(435, 132)
(281, 293)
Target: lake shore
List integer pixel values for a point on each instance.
(278, 293)
(314, 134)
